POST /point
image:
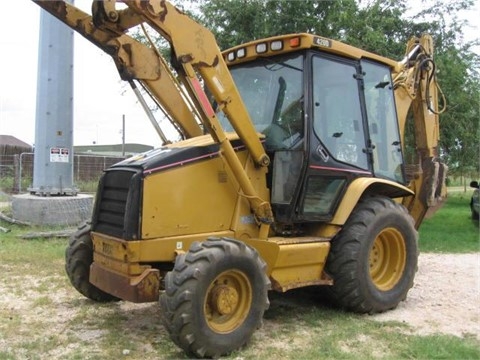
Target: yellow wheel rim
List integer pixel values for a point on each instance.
(387, 259)
(228, 301)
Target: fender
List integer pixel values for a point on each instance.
(359, 187)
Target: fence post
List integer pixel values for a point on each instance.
(16, 174)
(78, 167)
(20, 172)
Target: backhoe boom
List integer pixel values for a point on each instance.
(416, 88)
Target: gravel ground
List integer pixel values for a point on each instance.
(445, 297)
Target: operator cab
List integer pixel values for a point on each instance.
(327, 120)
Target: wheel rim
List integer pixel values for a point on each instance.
(387, 259)
(228, 301)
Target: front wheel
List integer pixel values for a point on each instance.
(78, 258)
(373, 260)
(215, 297)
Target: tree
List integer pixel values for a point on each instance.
(378, 26)
(460, 124)
(458, 73)
(234, 22)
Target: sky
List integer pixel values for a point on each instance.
(100, 97)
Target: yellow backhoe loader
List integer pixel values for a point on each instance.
(291, 172)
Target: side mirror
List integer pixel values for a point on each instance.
(474, 184)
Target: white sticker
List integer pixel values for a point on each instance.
(179, 245)
(59, 155)
(218, 84)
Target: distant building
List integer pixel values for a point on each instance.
(112, 150)
(10, 145)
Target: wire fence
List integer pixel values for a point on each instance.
(16, 171)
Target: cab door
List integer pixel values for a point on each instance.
(338, 146)
(383, 129)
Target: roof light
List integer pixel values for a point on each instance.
(261, 48)
(231, 56)
(276, 45)
(241, 53)
(294, 42)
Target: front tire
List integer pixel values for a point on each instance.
(373, 260)
(78, 258)
(215, 297)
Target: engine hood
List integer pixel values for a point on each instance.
(177, 154)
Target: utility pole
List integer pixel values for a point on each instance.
(51, 200)
(53, 159)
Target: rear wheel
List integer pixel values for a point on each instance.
(373, 259)
(78, 258)
(215, 297)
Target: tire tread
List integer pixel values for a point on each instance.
(176, 302)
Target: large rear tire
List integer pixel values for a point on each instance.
(373, 260)
(215, 297)
(78, 258)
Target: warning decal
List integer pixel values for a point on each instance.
(59, 155)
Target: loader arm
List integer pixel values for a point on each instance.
(416, 88)
(195, 53)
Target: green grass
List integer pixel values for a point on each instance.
(35, 252)
(451, 229)
(7, 184)
(85, 186)
(440, 347)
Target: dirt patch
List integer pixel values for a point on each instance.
(445, 297)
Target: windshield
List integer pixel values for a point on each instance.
(272, 91)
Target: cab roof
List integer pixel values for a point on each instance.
(294, 42)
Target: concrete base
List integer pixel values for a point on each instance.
(52, 210)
